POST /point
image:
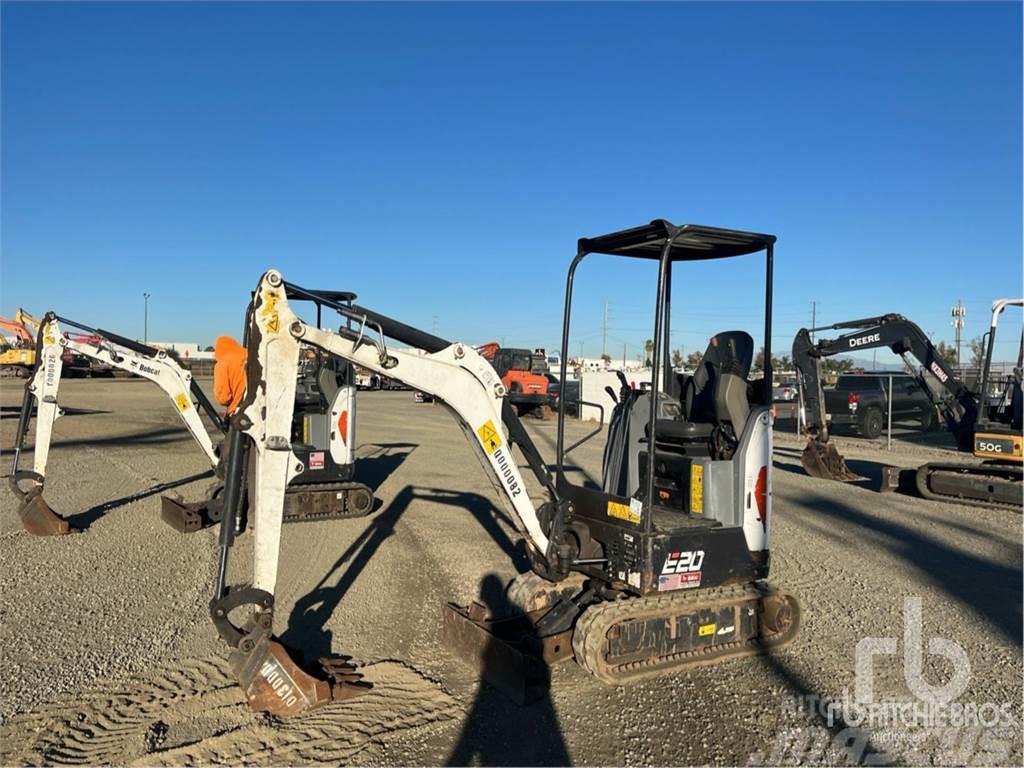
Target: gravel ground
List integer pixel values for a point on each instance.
(108, 655)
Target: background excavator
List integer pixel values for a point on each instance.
(527, 389)
(18, 345)
(322, 433)
(657, 571)
(985, 421)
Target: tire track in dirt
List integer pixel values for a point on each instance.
(193, 713)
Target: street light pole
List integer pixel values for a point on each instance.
(145, 318)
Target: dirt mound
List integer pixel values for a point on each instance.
(194, 713)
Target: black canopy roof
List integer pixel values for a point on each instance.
(693, 242)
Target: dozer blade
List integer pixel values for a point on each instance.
(273, 682)
(824, 461)
(39, 520)
(185, 517)
(505, 652)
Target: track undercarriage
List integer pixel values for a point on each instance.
(619, 641)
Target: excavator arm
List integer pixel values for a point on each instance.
(453, 373)
(17, 329)
(958, 404)
(43, 388)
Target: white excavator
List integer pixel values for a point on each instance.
(323, 431)
(662, 568)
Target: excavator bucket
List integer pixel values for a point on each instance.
(273, 682)
(39, 520)
(824, 461)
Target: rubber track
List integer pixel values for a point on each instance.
(925, 471)
(194, 713)
(316, 518)
(590, 638)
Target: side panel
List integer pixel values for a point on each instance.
(754, 484)
(343, 426)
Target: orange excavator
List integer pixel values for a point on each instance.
(527, 390)
(18, 345)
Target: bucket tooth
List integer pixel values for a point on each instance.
(39, 520)
(273, 682)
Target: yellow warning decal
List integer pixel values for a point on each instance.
(706, 629)
(269, 310)
(182, 402)
(49, 338)
(622, 512)
(697, 489)
(489, 437)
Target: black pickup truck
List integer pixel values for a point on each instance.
(861, 401)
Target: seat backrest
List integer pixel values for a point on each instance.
(729, 352)
(731, 403)
(327, 380)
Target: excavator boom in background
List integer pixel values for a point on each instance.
(528, 389)
(981, 422)
(18, 345)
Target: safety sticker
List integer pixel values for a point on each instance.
(182, 401)
(316, 460)
(706, 629)
(697, 489)
(489, 437)
(49, 338)
(623, 512)
(269, 310)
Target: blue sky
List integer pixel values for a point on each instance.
(441, 160)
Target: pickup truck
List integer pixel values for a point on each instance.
(861, 401)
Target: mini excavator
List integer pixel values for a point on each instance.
(661, 569)
(322, 433)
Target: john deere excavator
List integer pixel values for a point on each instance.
(660, 570)
(322, 433)
(985, 421)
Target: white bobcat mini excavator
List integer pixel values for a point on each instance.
(323, 432)
(662, 569)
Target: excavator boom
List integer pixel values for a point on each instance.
(453, 373)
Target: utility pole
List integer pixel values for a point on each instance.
(433, 325)
(581, 352)
(959, 312)
(814, 317)
(623, 357)
(145, 318)
(604, 332)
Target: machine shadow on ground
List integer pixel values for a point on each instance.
(586, 478)
(83, 520)
(989, 589)
(307, 631)
(145, 438)
(871, 472)
(498, 731)
(14, 411)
